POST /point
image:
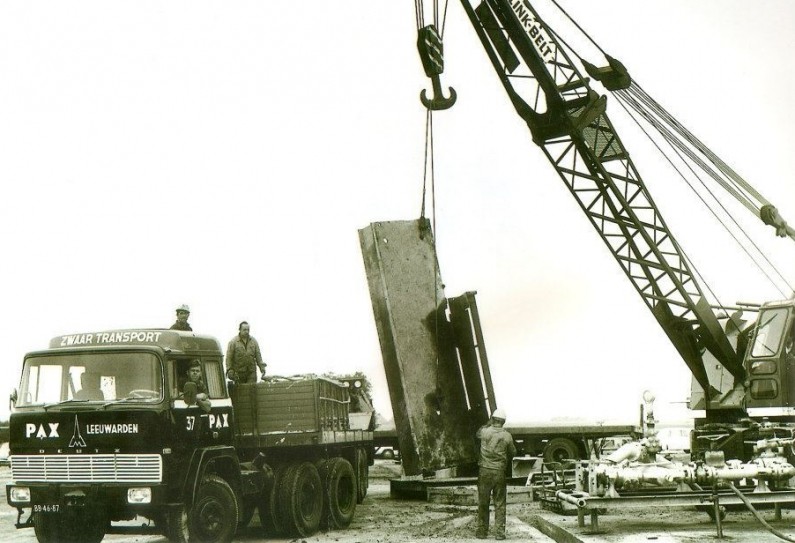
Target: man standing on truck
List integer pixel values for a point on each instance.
(243, 356)
(496, 450)
(183, 312)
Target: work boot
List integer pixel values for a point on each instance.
(500, 536)
(480, 535)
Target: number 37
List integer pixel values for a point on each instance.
(190, 422)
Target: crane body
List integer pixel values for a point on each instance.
(568, 120)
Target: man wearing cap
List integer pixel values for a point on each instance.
(496, 449)
(183, 312)
(243, 356)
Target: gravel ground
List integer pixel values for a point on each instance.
(381, 519)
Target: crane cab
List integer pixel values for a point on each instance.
(770, 363)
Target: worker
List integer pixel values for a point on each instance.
(183, 312)
(90, 387)
(243, 356)
(496, 450)
(194, 392)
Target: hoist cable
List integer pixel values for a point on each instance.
(669, 136)
(444, 19)
(621, 96)
(425, 162)
(433, 185)
(626, 107)
(731, 177)
(699, 277)
(419, 13)
(584, 33)
(672, 141)
(693, 140)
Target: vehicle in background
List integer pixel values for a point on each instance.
(387, 453)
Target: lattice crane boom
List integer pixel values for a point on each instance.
(568, 120)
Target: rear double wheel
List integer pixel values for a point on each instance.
(302, 505)
(270, 516)
(362, 475)
(340, 489)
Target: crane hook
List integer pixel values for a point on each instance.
(438, 101)
(431, 52)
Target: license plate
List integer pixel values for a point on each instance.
(46, 508)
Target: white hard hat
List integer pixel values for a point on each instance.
(184, 307)
(499, 413)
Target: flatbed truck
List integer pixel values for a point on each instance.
(136, 447)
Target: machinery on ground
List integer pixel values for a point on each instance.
(102, 431)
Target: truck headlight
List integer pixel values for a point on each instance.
(19, 494)
(139, 495)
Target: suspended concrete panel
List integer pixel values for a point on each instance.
(435, 421)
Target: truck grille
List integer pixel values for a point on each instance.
(87, 468)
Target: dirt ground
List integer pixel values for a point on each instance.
(381, 519)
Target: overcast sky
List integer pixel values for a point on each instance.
(224, 155)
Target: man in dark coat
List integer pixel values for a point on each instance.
(183, 312)
(496, 450)
(243, 356)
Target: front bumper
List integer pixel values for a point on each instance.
(54, 498)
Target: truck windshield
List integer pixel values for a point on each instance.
(770, 332)
(91, 377)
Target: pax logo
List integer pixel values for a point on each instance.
(42, 431)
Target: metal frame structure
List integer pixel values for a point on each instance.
(567, 120)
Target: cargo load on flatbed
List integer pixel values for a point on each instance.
(293, 412)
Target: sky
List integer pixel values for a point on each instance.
(225, 154)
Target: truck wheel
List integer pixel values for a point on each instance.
(268, 505)
(560, 450)
(45, 526)
(213, 517)
(340, 487)
(362, 475)
(177, 525)
(77, 528)
(388, 454)
(304, 500)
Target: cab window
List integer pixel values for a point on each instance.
(769, 332)
(212, 376)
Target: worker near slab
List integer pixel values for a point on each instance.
(496, 450)
(243, 356)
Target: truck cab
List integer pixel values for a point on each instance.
(100, 432)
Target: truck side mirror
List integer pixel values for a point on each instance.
(12, 399)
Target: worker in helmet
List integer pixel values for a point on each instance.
(496, 451)
(183, 312)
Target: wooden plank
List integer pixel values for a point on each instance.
(287, 402)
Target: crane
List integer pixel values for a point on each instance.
(568, 120)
